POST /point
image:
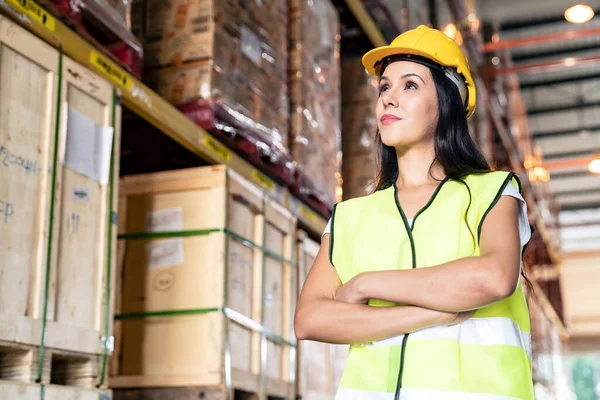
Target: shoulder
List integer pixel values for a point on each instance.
(363, 201)
(353, 205)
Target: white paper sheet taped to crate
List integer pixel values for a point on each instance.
(88, 147)
(165, 253)
(165, 220)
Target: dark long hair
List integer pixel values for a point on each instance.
(455, 150)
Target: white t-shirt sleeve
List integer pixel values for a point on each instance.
(511, 190)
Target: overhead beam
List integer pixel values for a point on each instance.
(567, 51)
(583, 206)
(553, 82)
(540, 39)
(566, 132)
(562, 107)
(548, 65)
(514, 25)
(568, 163)
(569, 174)
(582, 192)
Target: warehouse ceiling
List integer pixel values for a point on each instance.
(562, 99)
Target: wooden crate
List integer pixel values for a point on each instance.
(75, 303)
(25, 391)
(206, 270)
(319, 364)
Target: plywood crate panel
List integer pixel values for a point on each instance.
(319, 364)
(77, 265)
(207, 270)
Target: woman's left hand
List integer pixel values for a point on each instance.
(350, 292)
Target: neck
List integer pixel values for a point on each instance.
(415, 167)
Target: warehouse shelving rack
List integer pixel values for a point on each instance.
(153, 108)
(148, 105)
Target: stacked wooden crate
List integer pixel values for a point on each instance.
(359, 95)
(208, 287)
(56, 139)
(320, 365)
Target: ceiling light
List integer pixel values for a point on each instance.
(579, 14)
(594, 166)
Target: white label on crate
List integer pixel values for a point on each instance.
(165, 253)
(89, 147)
(81, 194)
(251, 46)
(166, 220)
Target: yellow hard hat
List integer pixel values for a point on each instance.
(430, 44)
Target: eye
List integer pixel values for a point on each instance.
(383, 88)
(411, 85)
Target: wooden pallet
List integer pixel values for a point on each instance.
(19, 363)
(184, 393)
(28, 391)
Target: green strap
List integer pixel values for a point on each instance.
(203, 232)
(166, 313)
(42, 352)
(228, 312)
(110, 243)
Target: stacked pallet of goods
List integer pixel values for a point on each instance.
(106, 24)
(59, 158)
(315, 128)
(224, 64)
(359, 95)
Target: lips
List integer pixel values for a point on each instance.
(387, 119)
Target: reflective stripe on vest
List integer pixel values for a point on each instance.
(481, 331)
(485, 357)
(415, 394)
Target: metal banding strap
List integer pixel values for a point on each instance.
(228, 312)
(203, 232)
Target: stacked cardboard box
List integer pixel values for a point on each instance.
(315, 134)
(228, 54)
(359, 93)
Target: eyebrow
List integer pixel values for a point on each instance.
(385, 78)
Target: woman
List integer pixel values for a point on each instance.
(457, 330)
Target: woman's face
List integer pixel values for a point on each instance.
(407, 109)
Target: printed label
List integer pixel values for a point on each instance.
(165, 253)
(251, 46)
(307, 214)
(111, 70)
(216, 148)
(262, 180)
(166, 220)
(35, 12)
(81, 194)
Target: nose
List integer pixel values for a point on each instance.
(388, 99)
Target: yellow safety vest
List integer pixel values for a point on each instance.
(487, 357)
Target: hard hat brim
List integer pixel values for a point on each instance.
(374, 56)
